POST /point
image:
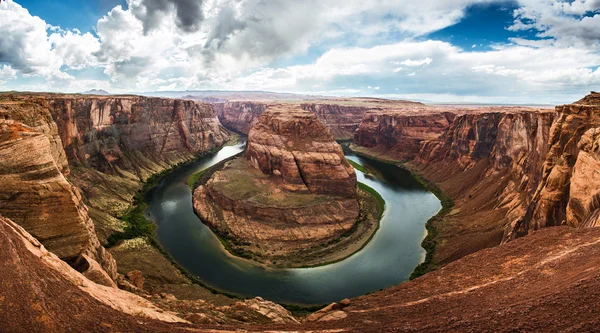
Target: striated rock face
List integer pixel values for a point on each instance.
(41, 293)
(518, 289)
(35, 193)
(295, 145)
(54, 145)
(240, 116)
(341, 116)
(548, 205)
(294, 189)
(490, 163)
(112, 143)
(133, 133)
(342, 120)
(398, 134)
(583, 209)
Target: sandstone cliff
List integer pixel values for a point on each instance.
(240, 116)
(584, 192)
(489, 162)
(104, 146)
(295, 145)
(548, 207)
(341, 116)
(518, 289)
(35, 193)
(112, 143)
(398, 134)
(293, 190)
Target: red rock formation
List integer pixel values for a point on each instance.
(486, 159)
(341, 116)
(112, 144)
(295, 145)
(240, 116)
(35, 193)
(548, 207)
(584, 192)
(518, 289)
(133, 133)
(115, 142)
(398, 134)
(342, 120)
(294, 190)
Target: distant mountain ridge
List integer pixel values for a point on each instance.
(96, 92)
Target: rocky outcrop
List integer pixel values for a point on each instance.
(35, 193)
(398, 134)
(293, 190)
(296, 146)
(341, 116)
(342, 120)
(132, 134)
(113, 143)
(488, 160)
(583, 209)
(548, 207)
(518, 289)
(41, 293)
(105, 146)
(240, 116)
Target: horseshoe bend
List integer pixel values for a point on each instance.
(515, 237)
(292, 199)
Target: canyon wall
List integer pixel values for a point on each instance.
(53, 146)
(295, 145)
(398, 134)
(510, 170)
(572, 152)
(112, 144)
(240, 116)
(342, 120)
(341, 116)
(35, 193)
(490, 163)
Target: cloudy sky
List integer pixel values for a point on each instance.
(510, 51)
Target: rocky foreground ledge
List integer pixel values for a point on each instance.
(292, 199)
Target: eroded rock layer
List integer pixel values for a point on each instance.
(293, 189)
(573, 130)
(341, 116)
(295, 145)
(35, 193)
(398, 134)
(488, 160)
(114, 143)
(54, 145)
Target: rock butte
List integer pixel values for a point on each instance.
(293, 189)
(510, 171)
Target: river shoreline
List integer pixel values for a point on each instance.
(351, 242)
(201, 268)
(430, 241)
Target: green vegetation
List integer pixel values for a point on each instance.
(431, 240)
(358, 166)
(138, 226)
(194, 178)
(377, 196)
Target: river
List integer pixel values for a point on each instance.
(388, 259)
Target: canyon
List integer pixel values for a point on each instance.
(292, 196)
(71, 166)
(523, 183)
(341, 116)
